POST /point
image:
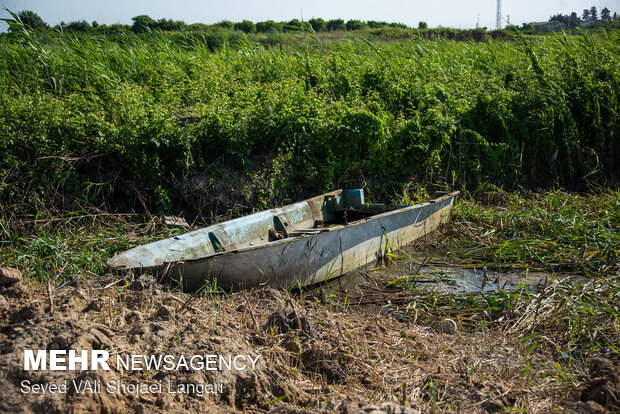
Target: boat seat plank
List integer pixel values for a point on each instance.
(301, 232)
(221, 242)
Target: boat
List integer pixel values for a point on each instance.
(297, 245)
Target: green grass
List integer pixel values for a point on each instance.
(573, 240)
(161, 119)
(554, 231)
(55, 249)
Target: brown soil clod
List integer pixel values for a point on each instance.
(143, 282)
(603, 386)
(9, 276)
(4, 303)
(281, 322)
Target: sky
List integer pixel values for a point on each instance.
(449, 13)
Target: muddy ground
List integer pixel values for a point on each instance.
(317, 354)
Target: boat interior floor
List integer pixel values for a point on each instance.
(342, 216)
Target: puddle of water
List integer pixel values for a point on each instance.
(436, 276)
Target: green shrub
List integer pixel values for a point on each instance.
(146, 114)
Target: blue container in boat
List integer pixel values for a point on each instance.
(353, 198)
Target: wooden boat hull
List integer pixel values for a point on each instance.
(311, 258)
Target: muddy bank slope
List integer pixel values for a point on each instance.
(315, 354)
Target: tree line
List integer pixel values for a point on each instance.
(588, 16)
(143, 23)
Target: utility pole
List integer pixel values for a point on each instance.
(498, 23)
(478, 21)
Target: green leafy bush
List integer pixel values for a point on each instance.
(142, 117)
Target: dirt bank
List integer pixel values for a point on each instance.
(315, 354)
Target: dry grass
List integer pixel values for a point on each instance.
(319, 357)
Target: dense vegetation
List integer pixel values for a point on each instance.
(164, 120)
(99, 130)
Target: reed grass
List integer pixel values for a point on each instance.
(552, 232)
(161, 117)
(569, 241)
